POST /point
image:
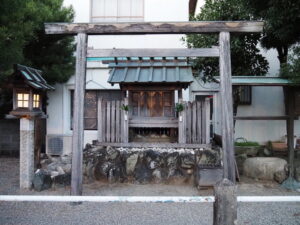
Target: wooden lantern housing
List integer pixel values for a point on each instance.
(28, 90)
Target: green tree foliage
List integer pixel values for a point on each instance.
(291, 69)
(245, 56)
(15, 31)
(282, 19)
(22, 38)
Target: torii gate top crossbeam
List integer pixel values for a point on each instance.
(154, 27)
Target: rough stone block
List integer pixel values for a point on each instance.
(208, 177)
(263, 167)
(131, 163)
(41, 181)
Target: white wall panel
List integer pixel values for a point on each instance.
(81, 8)
(55, 110)
(166, 10)
(266, 101)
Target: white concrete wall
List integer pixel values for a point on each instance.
(55, 110)
(58, 109)
(266, 101)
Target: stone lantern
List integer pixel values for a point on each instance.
(29, 87)
(28, 90)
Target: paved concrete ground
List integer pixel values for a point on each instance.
(128, 213)
(37, 213)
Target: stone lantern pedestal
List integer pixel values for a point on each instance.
(26, 152)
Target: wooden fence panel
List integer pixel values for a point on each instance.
(192, 127)
(110, 121)
(195, 119)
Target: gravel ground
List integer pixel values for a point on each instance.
(37, 213)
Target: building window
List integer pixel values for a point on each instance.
(23, 100)
(245, 95)
(91, 105)
(36, 101)
(117, 10)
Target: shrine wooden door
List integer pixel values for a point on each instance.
(152, 103)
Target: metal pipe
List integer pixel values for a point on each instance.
(132, 199)
(268, 198)
(142, 199)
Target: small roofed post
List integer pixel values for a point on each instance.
(28, 90)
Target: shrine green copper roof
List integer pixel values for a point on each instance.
(151, 72)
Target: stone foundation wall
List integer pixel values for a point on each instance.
(145, 165)
(137, 165)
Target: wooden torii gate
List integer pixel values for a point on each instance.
(224, 28)
(82, 30)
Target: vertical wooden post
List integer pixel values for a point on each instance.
(199, 121)
(103, 119)
(30, 100)
(203, 121)
(126, 122)
(227, 107)
(181, 121)
(100, 122)
(118, 112)
(113, 121)
(14, 99)
(108, 121)
(189, 123)
(290, 129)
(194, 122)
(207, 119)
(225, 205)
(78, 126)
